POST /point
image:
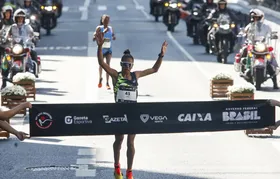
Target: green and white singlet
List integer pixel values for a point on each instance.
(126, 91)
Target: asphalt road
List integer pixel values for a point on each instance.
(70, 75)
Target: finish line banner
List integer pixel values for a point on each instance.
(147, 118)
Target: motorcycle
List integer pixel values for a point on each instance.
(260, 54)
(32, 20)
(196, 18)
(203, 28)
(171, 15)
(48, 16)
(223, 26)
(158, 9)
(18, 58)
(59, 5)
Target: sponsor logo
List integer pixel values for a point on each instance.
(241, 115)
(77, 120)
(43, 120)
(194, 117)
(108, 119)
(157, 119)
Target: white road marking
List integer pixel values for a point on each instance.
(84, 15)
(87, 152)
(141, 8)
(176, 43)
(83, 163)
(121, 8)
(86, 161)
(78, 48)
(65, 9)
(102, 8)
(85, 173)
(82, 8)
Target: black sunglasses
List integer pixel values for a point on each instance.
(126, 64)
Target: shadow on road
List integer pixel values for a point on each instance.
(48, 70)
(45, 81)
(18, 156)
(50, 91)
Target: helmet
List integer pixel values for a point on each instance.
(251, 14)
(257, 13)
(19, 13)
(220, 2)
(7, 8)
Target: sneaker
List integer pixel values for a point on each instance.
(118, 172)
(100, 83)
(129, 175)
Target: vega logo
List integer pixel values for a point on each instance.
(157, 119)
(241, 116)
(194, 117)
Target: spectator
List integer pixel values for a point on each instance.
(6, 114)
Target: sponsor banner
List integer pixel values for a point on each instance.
(145, 118)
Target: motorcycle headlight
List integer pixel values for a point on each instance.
(54, 7)
(179, 4)
(48, 8)
(260, 47)
(215, 25)
(226, 26)
(232, 25)
(33, 18)
(166, 4)
(17, 49)
(173, 5)
(195, 13)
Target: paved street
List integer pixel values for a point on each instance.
(70, 75)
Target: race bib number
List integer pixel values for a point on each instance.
(107, 43)
(126, 94)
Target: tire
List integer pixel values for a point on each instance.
(207, 48)
(156, 18)
(225, 52)
(48, 31)
(259, 77)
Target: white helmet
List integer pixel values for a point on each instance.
(258, 13)
(7, 8)
(19, 13)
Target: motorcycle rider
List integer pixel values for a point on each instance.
(29, 7)
(188, 20)
(222, 9)
(7, 12)
(152, 5)
(258, 28)
(20, 29)
(243, 50)
(207, 6)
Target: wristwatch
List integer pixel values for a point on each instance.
(160, 55)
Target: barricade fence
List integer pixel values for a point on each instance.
(149, 118)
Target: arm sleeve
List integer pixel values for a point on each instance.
(30, 30)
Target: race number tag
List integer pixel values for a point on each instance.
(107, 43)
(126, 94)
